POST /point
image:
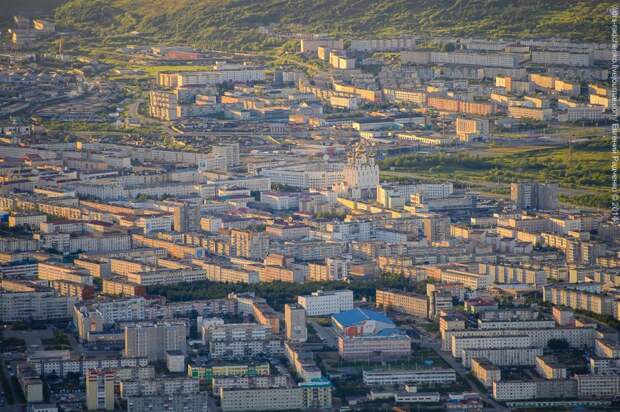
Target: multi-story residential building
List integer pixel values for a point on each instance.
(503, 356)
(460, 343)
(154, 339)
(470, 58)
(577, 337)
(249, 382)
(528, 195)
(93, 316)
(315, 395)
(550, 368)
(411, 304)
(196, 402)
(221, 270)
(449, 104)
(563, 58)
(377, 45)
(436, 228)
(32, 220)
(240, 340)
(293, 274)
(473, 281)
(265, 315)
(245, 243)
(502, 273)
(514, 390)
(323, 303)
(207, 373)
(431, 376)
(470, 129)
(61, 363)
(572, 296)
(100, 390)
(605, 348)
(485, 371)
(295, 321)
(158, 386)
(598, 386)
(515, 324)
(58, 271)
(40, 304)
(332, 269)
(311, 45)
(533, 113)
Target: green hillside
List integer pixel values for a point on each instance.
(214, 23)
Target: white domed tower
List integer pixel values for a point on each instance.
(361, 173)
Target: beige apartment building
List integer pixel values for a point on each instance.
(100, 390)
(408, 303)
(276, 399)
(154, 339)
(485, 371)
(549, 368)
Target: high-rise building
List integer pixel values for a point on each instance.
(532, 195)
(249, 244)
(153, 340)
(185, 215)
(228, 151)
(295, 320)
(436, 228)
(100, 389)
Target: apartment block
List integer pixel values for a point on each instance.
(100, 390)
(411, 304)
(154, 339)
(485, 371)
(431, 376)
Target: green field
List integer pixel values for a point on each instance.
(584, 167)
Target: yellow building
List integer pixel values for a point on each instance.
(485, 371)
(414, 305)
(100, 390)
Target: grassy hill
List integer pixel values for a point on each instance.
(234, 23)
(9, 8)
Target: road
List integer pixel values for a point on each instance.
(327, 335)
(428, 342)
(17, 406)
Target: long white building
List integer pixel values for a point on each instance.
(432, 376)
(326, 303)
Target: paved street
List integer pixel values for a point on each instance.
(327, 334)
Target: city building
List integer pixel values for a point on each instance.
(485, 371)
(100, 390)
(154, 339)
(409, 303)
(295, 320)
(530, 195)
(322, 303)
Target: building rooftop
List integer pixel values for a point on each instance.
(356, 316)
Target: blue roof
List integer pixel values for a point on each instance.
(357, 316)
(316, 382)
